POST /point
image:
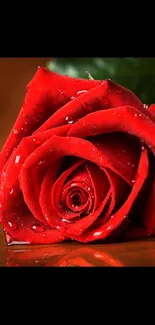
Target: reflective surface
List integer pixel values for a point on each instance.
(140, 253)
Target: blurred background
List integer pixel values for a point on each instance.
(137, 74)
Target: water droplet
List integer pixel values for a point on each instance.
(146, 106)
(12, 225)
(124, 109)
(133, 181)
(25, 123)
(34, 140)
(58, 227)
(64, 220)
(142, 147)
(41, 162)
(112, 217)
(88, 188)
(37, 228)
(72, 97)
(0, 205)
(76, 79)
(15, 131)
(80, 92)
(113, 114)
(17, 159)
(44, 235)
(126, 216)
(98, 233)
(11, 191)
(135, 114)
(123, 151)
(69, 120)
(140, 115)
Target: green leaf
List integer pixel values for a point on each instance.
(137, 74)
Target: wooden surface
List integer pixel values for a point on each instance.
(140, 253)
(14, 76)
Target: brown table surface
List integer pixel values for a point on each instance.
(15, 73)
(137, 253)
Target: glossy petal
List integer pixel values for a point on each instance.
(46, 93)
(105, 230)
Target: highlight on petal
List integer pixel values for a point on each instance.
(46, 93)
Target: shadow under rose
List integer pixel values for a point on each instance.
(60, 256)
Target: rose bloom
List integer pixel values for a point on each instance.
(78, 163)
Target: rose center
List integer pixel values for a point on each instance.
(76, 199)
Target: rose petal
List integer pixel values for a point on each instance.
(51, 211)
(122, 119)
(118, 218)
(122, 150)
(105, 95)
(46, 93)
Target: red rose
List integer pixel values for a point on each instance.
(78, 163)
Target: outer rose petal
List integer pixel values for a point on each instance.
(46, 93)
(122, 119)
(106, 95)
(13, 208)
(152, 108)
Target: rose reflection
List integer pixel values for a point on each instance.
(60, 256)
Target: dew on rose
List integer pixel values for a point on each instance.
(146, 106)
(133, 181)
(17, 159)
(41, 162)
(37, 228)
(69, 119)
(15, 131)
(98, 233)
(64, 220)
(80, 92)
(11, 191)
(12, 225)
